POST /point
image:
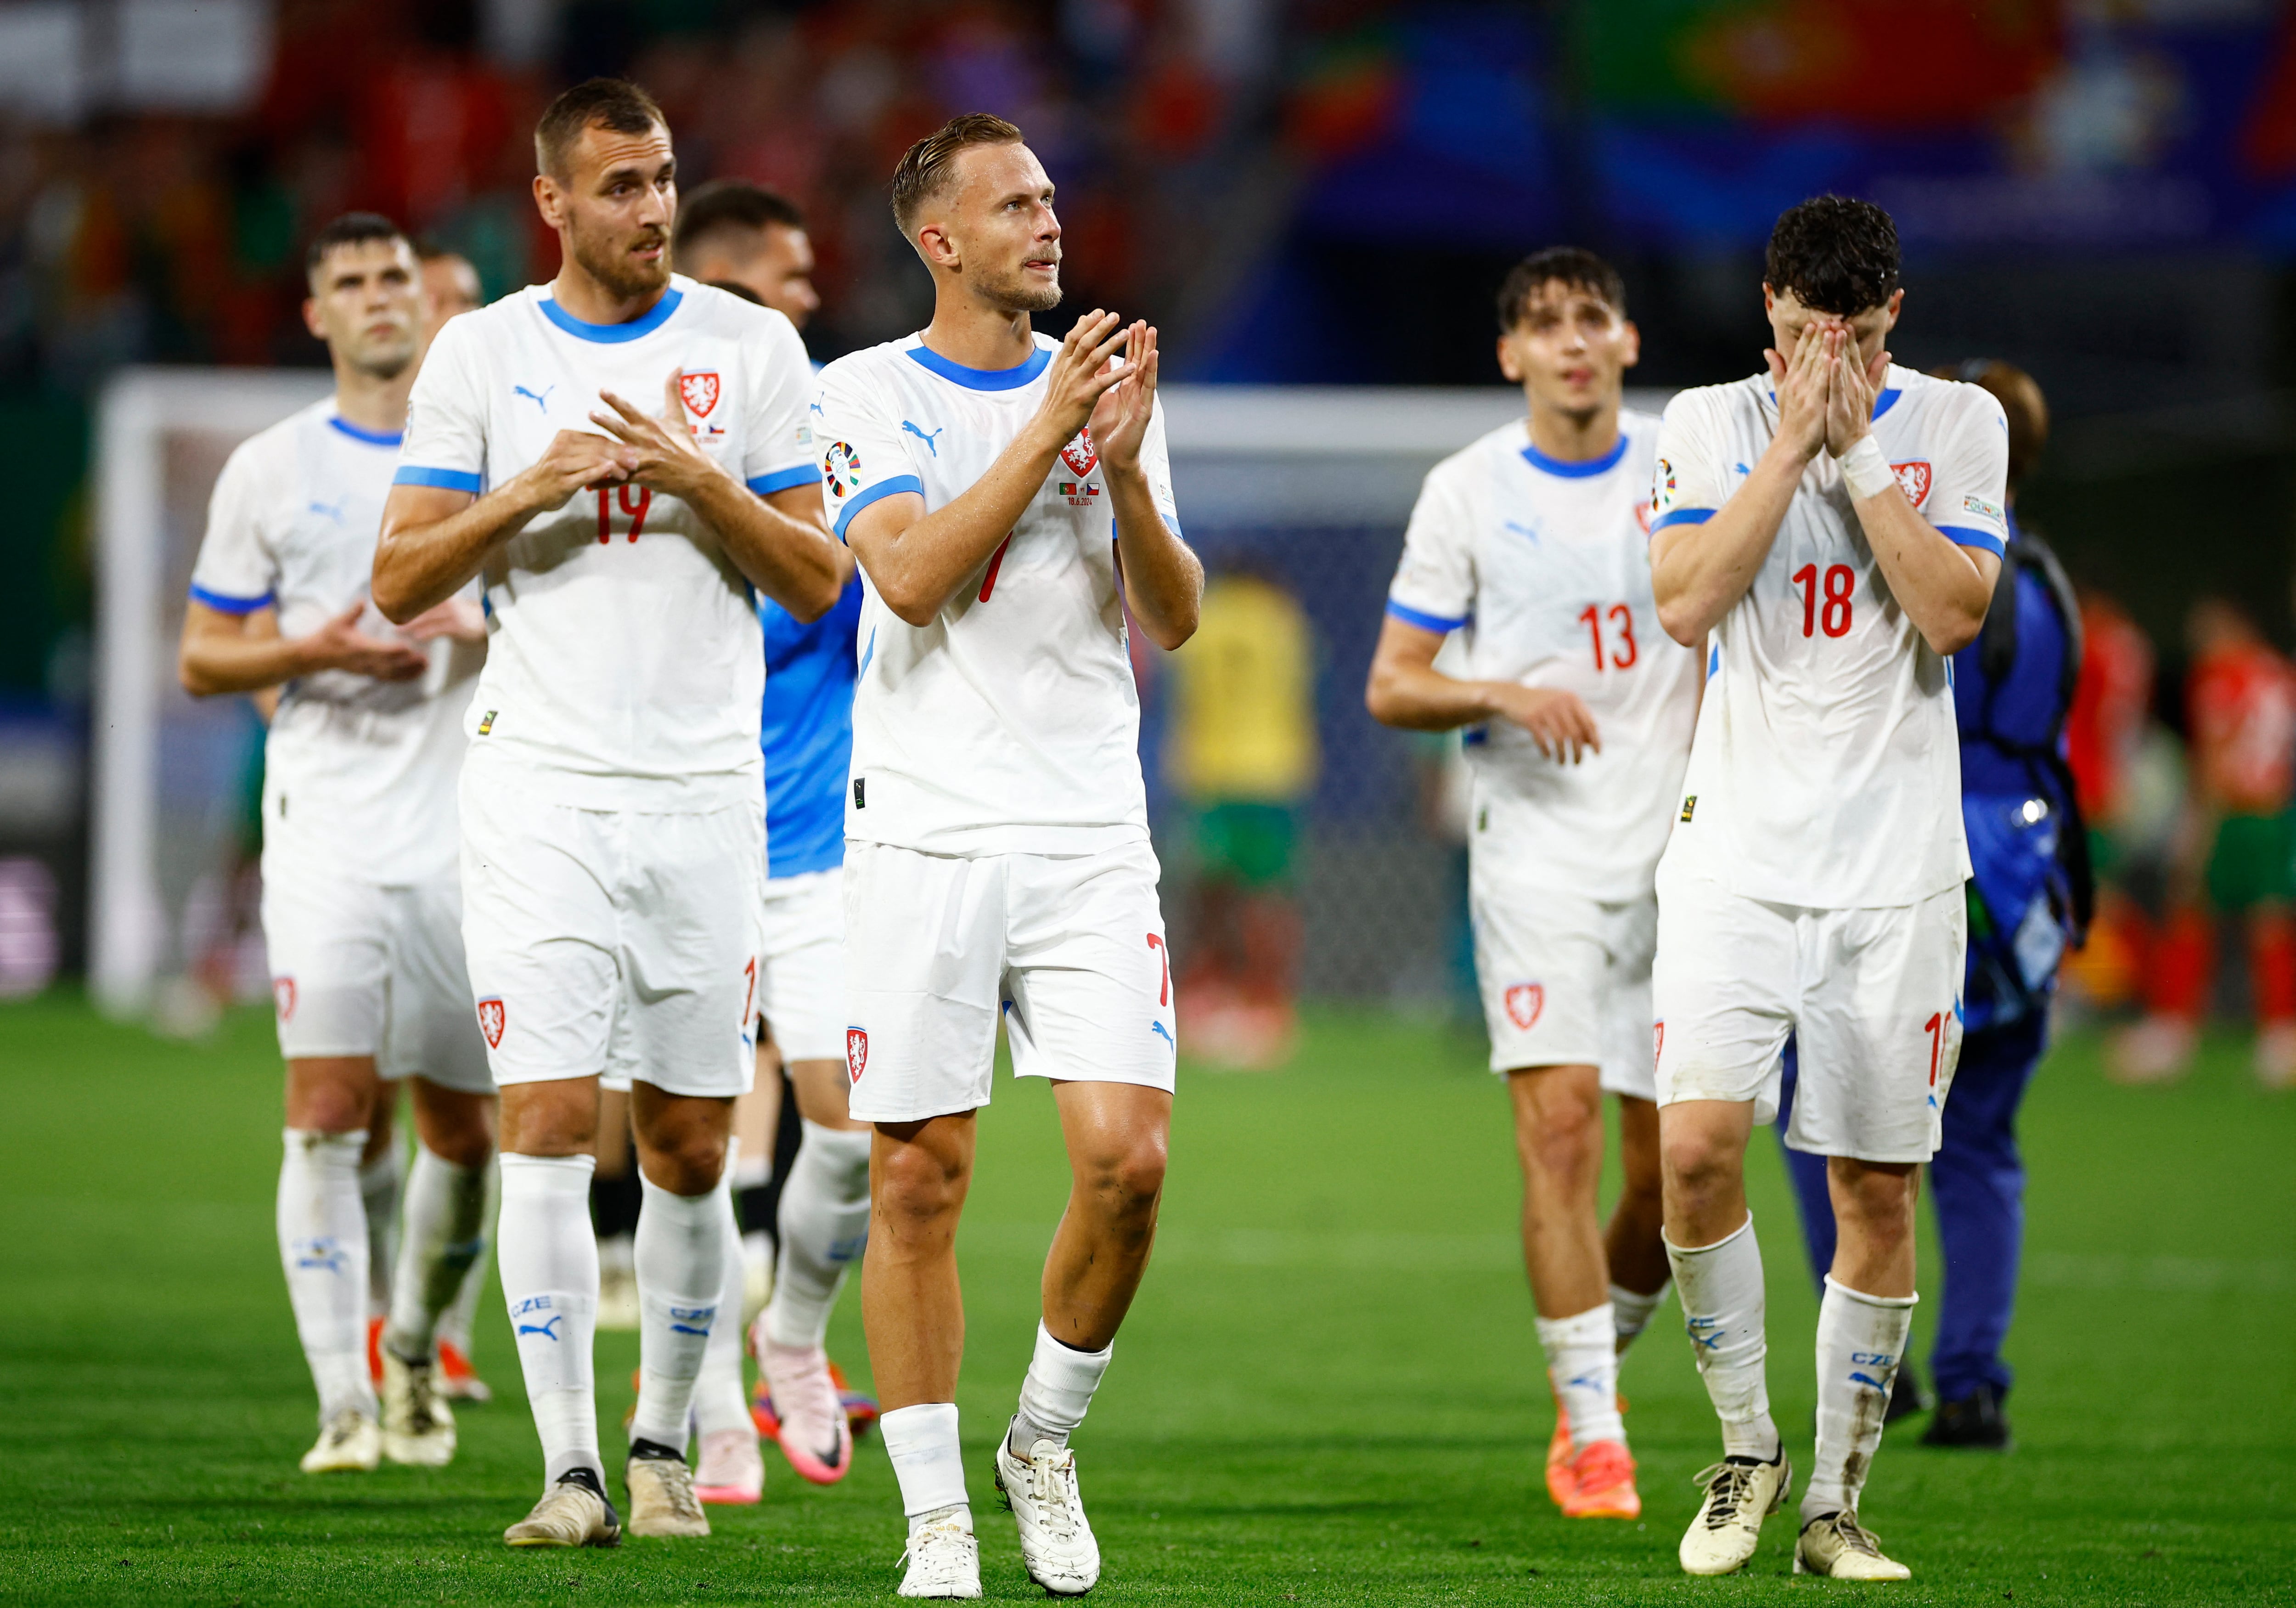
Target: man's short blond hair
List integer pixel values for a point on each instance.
(925, 170)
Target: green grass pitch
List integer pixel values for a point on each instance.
(1329, 1391)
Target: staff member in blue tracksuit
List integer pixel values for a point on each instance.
(2030, 899)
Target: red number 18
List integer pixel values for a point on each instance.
(1840, 581)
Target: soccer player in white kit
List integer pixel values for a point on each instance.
(1531, 544)
(1007, 496)
(1836, 525)
(611, 836)
(361, 911)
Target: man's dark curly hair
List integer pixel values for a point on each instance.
(1836, 255)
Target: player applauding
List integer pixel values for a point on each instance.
(1532, 542)
(622, 454)
(360, 909)
(1836, 523)
(1007, 495)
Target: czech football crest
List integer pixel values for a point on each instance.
(1914, 479)
(282, 990)
(857, 1052)
(699, 390)
(492, 1020)
(1080, 454)
(1524, 1003)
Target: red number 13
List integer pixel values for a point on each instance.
(1622, 622)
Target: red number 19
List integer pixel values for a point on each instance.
(609, 495)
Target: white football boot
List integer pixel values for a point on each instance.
(418, 1428)
(1838, 1548)
(663, 1502)
(944, 1559)
(731, 1472)
(1740, 1494)
(1056, 1541)
(349, 1442)
(569, 1514)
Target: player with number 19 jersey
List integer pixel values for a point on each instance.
(996, 749)
(609, 802)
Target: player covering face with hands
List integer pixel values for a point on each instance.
(1008, 497)
(1833, 526)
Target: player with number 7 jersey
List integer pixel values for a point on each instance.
(1007, 498)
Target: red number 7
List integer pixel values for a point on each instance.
(1164, 988)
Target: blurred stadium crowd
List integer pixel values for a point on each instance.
(2102, 191)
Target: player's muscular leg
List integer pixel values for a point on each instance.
(333, 1095)
(1632, 1246)
(1873, 1216)
(454, 1126)
(1702, 1168)
(681, 1137)
(912, 1307)
(1118, 1136)
(1558, 1135)
(820, 1090)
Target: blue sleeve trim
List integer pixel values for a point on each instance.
(223, 603)
(1426, 623)
(445, 480)
(869, 493)
(783, 480)
(1681, 516)
(1969, 535)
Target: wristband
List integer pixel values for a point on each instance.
(1864, 469)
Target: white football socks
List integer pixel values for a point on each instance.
(1582, 1364)
(454, 1323)
(1722, 1305)
(927, 1461)
(680, 1251)
(1860, 1338)
(549, 1258)
(444, 1231)
(825, 1225)
(719, 1402)
(1631, 1312)
(1056, 1393)
(322, 1245)
(380, 1184)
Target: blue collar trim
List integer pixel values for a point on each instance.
(373, 437)
(1586, 470)
(644, 325)
(981, 379)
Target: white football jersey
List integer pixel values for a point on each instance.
(1825, 771)
(1010, 724)
(625, 665)
(362, 770)
(1544, 568)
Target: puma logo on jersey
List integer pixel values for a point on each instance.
(332, 511)
(541, 401)
(929, 441)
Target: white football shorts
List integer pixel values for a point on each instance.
(616, 944)
(801, 977)
(1069, 948)
(1566, 980)
(362, 969)
(1873, 996)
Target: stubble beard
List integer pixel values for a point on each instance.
(1015, 294)
(612, 267)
